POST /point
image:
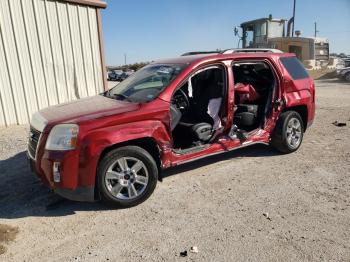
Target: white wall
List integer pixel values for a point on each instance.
(49, 54)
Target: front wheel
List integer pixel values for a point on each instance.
(288, 133)
(127, 176)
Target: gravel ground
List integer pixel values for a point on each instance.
(252, 204)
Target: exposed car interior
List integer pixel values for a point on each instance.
(254, 89)
(197, 108)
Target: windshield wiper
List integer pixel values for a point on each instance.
(117, 96)
(121, 97)
(107, 93)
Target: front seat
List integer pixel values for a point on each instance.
(199, 131)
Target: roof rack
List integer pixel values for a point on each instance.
(235, 50)
(200, 53)
(251, 50)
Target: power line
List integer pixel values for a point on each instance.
(336, 32)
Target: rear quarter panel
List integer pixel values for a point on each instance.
(299, 93)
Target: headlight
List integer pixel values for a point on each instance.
(63, 137)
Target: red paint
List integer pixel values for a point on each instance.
(105, 122)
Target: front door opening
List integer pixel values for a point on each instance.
(196, 109)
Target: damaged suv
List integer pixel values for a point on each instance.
(114, 146)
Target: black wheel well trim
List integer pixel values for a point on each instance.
(302, 111)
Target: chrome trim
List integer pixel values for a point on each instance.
(36, 150)
(38, 122)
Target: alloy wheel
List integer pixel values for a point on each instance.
(294, 132)
(126, 178)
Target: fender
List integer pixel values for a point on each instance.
(93, 144)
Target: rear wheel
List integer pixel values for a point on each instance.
(288, 133)
(127, 176)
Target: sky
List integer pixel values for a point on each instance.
(147, 30)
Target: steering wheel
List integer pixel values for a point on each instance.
(180, 100)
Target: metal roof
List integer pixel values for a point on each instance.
(94, 3)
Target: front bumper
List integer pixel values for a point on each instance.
(84, 194)
(68, 187)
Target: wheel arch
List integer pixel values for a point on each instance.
(302, 111)
(147, 143)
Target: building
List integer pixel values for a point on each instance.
(51, 52)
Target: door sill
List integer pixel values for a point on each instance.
(191, 149)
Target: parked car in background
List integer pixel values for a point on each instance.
(114, 75)
(343, 71)
(114, 146)
(125, 75)
(122, 77)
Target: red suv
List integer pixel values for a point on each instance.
(113, 146)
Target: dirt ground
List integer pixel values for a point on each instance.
(7, 234)
(252, 204)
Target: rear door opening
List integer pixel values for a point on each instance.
(256, 87)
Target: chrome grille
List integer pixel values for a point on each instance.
(33, 141)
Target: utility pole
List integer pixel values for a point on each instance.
(125, 59)
(293, 17)
(316, 31)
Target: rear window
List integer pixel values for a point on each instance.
(294, 68)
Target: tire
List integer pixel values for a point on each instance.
(289, 131)
(117, 181)
(347, 77)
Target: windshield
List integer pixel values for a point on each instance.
(147, 83)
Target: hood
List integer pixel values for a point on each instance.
(86, 109)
